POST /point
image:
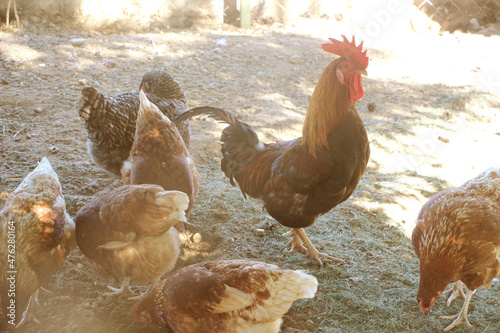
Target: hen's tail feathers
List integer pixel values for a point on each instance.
(43, 179)
(90, 101)
(308, 284)
(148, 111)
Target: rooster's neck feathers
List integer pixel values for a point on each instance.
(328, 105)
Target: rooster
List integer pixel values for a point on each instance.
(457, 239)
(110, 121)
(300, 179)
(226, 297)
(159, 155)
(129, 233)
(36, 235)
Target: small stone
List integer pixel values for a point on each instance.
(217, 50)
(111, 64)
(443, 139)
(365, 194)
(295, 59)
(5, 82)
(77, 41)
(221, 42)
(437, 165)
(371, 107)
(197, 238)
(256, 58)
(474, 24)
(42, 65)
(54, 149)
(38, 110)
(83, 82)
(259, 232)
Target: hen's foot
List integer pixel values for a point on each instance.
(460, 318)
(456, 291)
(141, 296)
(300, 241)
(117, 291)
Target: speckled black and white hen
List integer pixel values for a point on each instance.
(111, 121)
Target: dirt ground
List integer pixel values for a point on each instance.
(429, 107)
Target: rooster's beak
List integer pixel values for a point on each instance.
(361, 71)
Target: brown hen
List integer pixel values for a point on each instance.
(159, 155)
(36, 235)
(129, 233)
(226, 297)
(111, 121)
(457, 239)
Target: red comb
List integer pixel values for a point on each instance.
(134, 312)
(348, 50)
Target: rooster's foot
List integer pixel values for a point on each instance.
(301, 242)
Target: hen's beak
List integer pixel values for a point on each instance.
(361, 71)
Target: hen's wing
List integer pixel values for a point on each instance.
(126, 213)
(147, 210)
(252, 290)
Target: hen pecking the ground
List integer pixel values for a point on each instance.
(36, 235)
(225, 296)
(128, 233)
(159, 155)
(457, 239)
(301, 179)
(111, 121)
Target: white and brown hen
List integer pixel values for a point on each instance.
(36, 235)
(232, 296)
(129, 233)
(457, 238)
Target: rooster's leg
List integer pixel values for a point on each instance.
(461, 317)
(151, 287)
(456, 291)
(124, 288)
(301, 241)
(295, 243)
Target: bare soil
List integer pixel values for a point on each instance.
(431, 116)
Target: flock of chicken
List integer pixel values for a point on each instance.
(132, 231)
